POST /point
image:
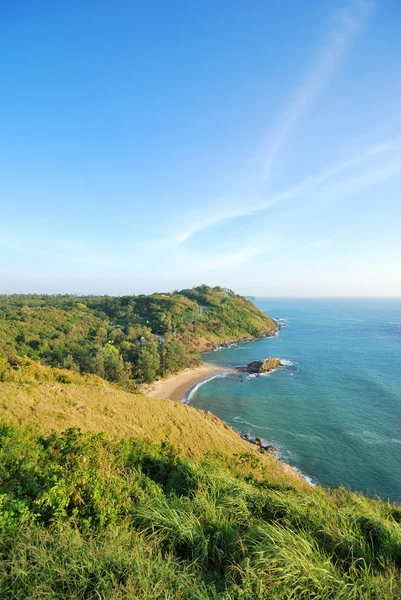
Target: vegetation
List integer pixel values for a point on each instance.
(108, 494)
(85, 517)
(57, 399)
(126, 339)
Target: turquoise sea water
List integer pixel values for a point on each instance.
(334, 411)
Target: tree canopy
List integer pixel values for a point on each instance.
(126, 338)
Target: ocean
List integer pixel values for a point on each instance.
(334, 410)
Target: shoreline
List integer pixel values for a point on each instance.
(178, 386)
(211, 346)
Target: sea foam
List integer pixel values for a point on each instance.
(193, 390)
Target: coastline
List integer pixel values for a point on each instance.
(177, 386)
(210, 346)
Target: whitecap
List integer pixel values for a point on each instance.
(243, 422)
(286, 362)
(268, 373)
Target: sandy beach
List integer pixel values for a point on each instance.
(176, 386)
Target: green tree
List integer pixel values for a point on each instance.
(113, 364)
(69, 363)
(174, 357)
(148, 362)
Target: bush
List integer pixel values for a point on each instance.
(84, 517)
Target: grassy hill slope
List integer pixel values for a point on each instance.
(83, 518)
(57, 399)
(169, 503)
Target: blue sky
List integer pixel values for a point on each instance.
(149, 146)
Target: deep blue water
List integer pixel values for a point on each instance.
(335, 413)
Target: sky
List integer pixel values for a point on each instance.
(152, 146)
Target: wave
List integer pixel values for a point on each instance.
(268, 373)
(286, 362)
(372, 439)
(243, 422)
(279, 319)
(234, 344)
(306, 477)
(196, 387)
(278, 453)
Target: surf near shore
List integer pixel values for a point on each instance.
(178, 386)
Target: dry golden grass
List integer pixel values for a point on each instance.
(34, 394)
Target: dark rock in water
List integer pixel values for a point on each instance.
(261, 366)
(262, 446)
(270, 448)
(267, 448)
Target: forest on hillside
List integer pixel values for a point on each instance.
(125, 339)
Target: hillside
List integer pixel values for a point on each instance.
(158, 500)
(127, 339)
(106, 493)
(57, 399)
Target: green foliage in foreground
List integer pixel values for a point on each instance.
(125, 338)
(86, 518)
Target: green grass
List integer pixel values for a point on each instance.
(87, 517)
(57, 399)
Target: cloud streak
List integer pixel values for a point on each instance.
(367, 158)
(336, 42)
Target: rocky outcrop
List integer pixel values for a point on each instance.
(261, 366)
(263, 447)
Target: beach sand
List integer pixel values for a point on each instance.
(175, 387)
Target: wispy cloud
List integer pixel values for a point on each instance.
(336, 42)
(252, 199)
(369, 160)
